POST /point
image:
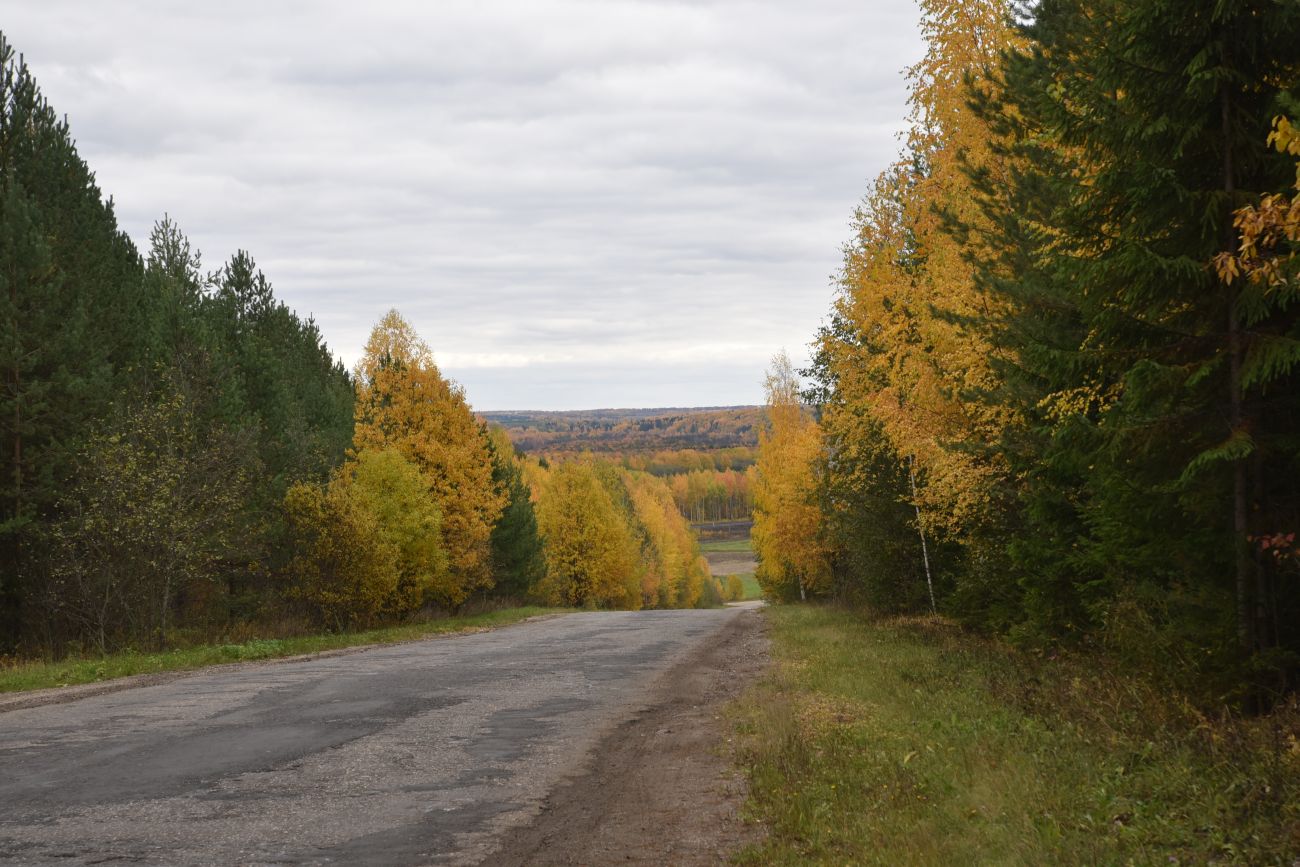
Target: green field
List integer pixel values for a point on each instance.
(751, 590)
(730, 546)
(38, 675)
(909, 742)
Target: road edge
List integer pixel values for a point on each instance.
(606, 812)
(24, 699)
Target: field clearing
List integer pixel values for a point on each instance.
(712, 546)
(907, 741)
(723, 564)
(733, 556)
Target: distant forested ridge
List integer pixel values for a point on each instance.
(1058, 393)
(182, 457)
(629, 431)
(704, 454)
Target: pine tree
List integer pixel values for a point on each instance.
(69, 307)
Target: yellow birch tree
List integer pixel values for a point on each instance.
(591, 557)
(906, 288)
(793, 559)
(404, 402)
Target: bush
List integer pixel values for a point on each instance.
(367, 544)
(151, 521)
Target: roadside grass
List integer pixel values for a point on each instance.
(908, 742)
(750, 583)
(717, 546)
(21, 675)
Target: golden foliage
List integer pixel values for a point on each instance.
(591, 557)
(404, 402)
(1267, 229)
(906, 285)
(367, 544)
(388, 486)
(337, 570)
(712, 495)
(793, 557)
(674, 570)
(614, 538)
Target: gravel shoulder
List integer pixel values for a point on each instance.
(663, 788)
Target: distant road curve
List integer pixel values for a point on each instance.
(426, 752)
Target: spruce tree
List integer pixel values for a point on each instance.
(518, 561)
(1139, 128)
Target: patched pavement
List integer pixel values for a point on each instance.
(415, 753)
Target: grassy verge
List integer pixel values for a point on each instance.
(25, 675)
(907, 742)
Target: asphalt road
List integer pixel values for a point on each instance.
(409, 754)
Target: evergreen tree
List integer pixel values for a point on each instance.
(69, 308)
(1155, 453)
(89, 333)
(518, 560)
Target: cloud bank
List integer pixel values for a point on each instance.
(578, 204)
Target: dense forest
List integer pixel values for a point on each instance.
(182, 452)
(711, 481)
(1056, 396)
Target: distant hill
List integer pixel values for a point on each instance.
(629, 431)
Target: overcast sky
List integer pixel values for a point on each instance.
(578, 204)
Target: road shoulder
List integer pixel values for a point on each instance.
(662, 787)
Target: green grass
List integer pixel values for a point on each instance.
(23, 675)
(908, 742)
(752, 590)
(739, 546)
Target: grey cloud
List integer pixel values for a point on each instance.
(577, 203)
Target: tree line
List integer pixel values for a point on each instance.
(707, 485)
(181, 453)
(631, 431)
(669, 462)
(713, 495)
(1056, 395)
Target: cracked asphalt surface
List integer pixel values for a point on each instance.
(417, 753)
